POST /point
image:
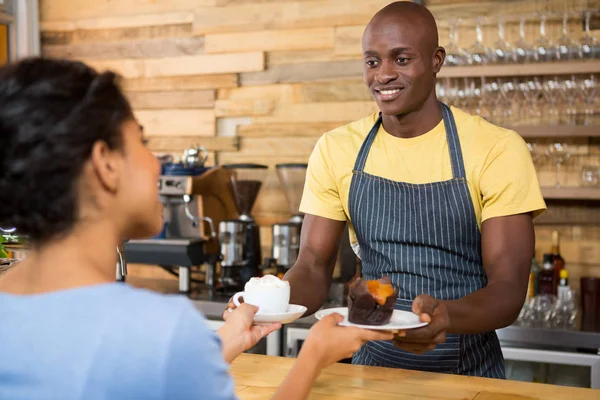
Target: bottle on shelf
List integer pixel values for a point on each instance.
(563, 282)
(548, 278)
(533, 288)
(557, 260)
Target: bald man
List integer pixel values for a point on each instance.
(440, 201)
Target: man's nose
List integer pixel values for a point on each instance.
(387, 73)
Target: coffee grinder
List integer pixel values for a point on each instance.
(239, 238)
(286, 235)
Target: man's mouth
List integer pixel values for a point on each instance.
(388, 94)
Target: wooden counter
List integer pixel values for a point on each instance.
(257, 377)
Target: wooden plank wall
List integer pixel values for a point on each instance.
(260, 80)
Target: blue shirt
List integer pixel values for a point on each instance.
(108, 341)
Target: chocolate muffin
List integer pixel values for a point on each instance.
(371, 302)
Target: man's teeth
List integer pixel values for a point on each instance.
(394, 91)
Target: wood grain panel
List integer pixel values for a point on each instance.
(286, 93)
(177, 122)
(309, 92)
(169, 143)
(189, 82)
(151, 48)
(319, 112)
(192, 65)
(289, 146)
(270, 40)
(130, 21)
(348, 40)
(55, 10)
(305, 56)
(286, 129)
(172, 99)
(288, 73)
(285, 15)
(102, 35)
(334, 91)
(244, 107)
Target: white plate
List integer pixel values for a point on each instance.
(292, 313)
(400, 320)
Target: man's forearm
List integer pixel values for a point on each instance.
(309, 286)
(493, 307)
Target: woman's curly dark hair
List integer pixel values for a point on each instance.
(51, 114)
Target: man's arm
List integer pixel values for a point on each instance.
(507, 247)
(310, 277)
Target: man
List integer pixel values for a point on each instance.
(440, 201)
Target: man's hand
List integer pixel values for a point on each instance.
(239, 334)
(428, 337)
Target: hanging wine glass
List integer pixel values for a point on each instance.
(454, 54)
(545, 51)
(523, 51)
(588, 44)
(559, 153)
(552, 97)
(502, 51)
(508, 92)
(570, 92)
(589, 90)
(566, 48)
(478, 52)
(536, 154)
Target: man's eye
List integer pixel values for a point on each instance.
(402, 60)
(372, 63)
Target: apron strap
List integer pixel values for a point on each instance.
(363, 153)
(456, 157)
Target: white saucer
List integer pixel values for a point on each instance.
(401, 320)
(293, 312)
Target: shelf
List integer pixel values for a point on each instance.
(555, 68)
(571, 193)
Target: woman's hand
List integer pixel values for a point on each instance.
(239, 334)
(328, 342)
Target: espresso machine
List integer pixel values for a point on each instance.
(181, 243)
(239, 238)
(286, 235)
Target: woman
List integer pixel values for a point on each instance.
(76, 178)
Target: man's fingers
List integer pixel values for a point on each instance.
(424, 304)
(419, 335)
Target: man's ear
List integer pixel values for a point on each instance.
(107, 165)
(438, 59)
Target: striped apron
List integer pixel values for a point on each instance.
(425, 237)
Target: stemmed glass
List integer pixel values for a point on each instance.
(567, 49)
(544, 50)
(478, 52)
(588, 44)
(552, 96)
(536, 154)
(502, 51)
(522, 50)
(559, 153)
(589, 89)
(570, 92)
(454, 54)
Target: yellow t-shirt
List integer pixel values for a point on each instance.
(500, 173)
